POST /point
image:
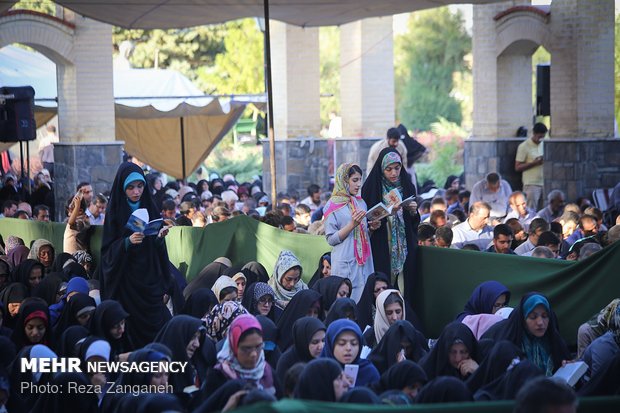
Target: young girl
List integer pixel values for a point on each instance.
(347, 230)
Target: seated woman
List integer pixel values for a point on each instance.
(32, 324)
(332, 288)
(182, 335)
(200, 303)
(342, 308)
(12, 297)
(286, 278)
(322, 380)
(487, 298)
(323, 270)
(221, 317)
(43, 251)
(259, 299)
(444, 390)
(225, 289)
(533, 328)
(78, 311)
(375, 284)
(242, 358)
(207, 276)
(405, 376)
(602, 351)
(30, 273)
(343, 343)
(596, 326)
(390, 308)
(308, 342)
(241, 281)
(108, 322)
(454, 354)
(306, 303)
(400, 342)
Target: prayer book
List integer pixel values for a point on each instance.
(572, 372)
(139, 222)
(381, 210)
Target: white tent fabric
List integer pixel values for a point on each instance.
(151, 14)
(151, 123)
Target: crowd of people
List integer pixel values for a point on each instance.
(347, 334)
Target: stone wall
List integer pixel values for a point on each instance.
(482, 156)
(301, 162)
(83, 162)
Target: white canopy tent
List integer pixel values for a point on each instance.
(163, 118)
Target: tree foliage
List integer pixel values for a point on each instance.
(430, 53)
(329, 49)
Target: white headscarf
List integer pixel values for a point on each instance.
(381, 321)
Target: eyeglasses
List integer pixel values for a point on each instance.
(247, 350)
(265, 300)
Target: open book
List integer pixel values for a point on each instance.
(381, 210)
(139, 222)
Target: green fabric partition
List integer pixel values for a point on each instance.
(444, 278)
(586, 405)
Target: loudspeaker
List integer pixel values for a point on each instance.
(543, 90)
(17, 114)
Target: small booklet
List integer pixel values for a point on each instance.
(139, 222)
(381, 210)
(571, 372)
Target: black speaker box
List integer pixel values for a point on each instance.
(17, 114)
(543, 90)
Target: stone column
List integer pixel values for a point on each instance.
(296, 80)
(367, 77)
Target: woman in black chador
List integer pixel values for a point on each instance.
(134, 268)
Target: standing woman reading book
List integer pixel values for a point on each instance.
(393, 244)
(134, 268)
(347, 230)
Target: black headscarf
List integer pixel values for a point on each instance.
(13, 293)
(31, 308)
(63, 402)
(158, 403)
(372, 192)
(59, 262)
(218, 399)
(22, 272)
(135, 275)
(515, 329)
(24, 401)
(494, 364)
(384, 355)
(106, 315)
(366, 305)
(342, 308)
(298, 307)
(483, 298)
(318, 274)
(316, 381)
(360, 395)
(176, 335)
(66, 345)
(270, 334)
(328, 288)
(8, 353)
(401, 375)
(254, 271)
(69, 315)
(444, 390)
(253, 294)
(303, 330)
(205, 279)
(48, 287)
(200, 303)
(437, 362)
(73, 269)
(506, 386)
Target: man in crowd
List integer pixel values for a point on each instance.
(519, 210)
(555, 206)
(537, 227)
(426, 235)
(443, 237)
(169, 209)
(475, 230)
(87, 191)
(502, 240)
(302, 216)
(96, 210)
(314, 198)
(392, 140)
(41, 213)
(529, 161)
(9, 208)
(495, 191)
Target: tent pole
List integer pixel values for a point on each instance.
(182, 149)
(272, 138)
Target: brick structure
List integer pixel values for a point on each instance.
(579, 34)
(82, 51)
(296, 80)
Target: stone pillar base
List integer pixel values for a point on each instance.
(483, 156)
(76, 162)
(579, 166)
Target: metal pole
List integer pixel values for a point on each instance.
(21, 157)
(272, 138)
(182, 149)
(28, 163)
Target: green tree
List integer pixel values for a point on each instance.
(431, 52)
(43, 6)
(239, 67)
(329, 50)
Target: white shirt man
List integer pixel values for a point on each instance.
(520, 211)
(475, 229)
(494, 191)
